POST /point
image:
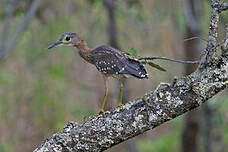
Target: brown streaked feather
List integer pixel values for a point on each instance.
(109, 60)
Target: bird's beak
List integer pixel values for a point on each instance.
(55, 44)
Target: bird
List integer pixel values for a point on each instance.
(110, 62)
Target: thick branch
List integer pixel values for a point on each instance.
(104, 131)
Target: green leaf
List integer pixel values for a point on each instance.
(156, 66)
(132, 52)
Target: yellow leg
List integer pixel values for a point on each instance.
(105, 96)
(121, 95)
(104, 101)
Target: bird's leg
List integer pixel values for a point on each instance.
(105, 97)
(121, 94)
(104, 101)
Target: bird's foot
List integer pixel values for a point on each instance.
(100, 112)
(120, 105)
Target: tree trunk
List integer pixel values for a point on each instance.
(192, 51)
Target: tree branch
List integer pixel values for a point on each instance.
(167, 59)
(104, 131)
(213, 33)
(163, 104)
(223, 7)
(30, 13)
(6, 26)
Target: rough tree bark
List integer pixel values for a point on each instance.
(101, 132)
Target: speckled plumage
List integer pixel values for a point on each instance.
(110, 61)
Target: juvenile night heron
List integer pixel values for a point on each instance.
(109, 61)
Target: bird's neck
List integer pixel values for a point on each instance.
(82, 46)
(83, 49)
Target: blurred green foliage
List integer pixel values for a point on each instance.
(169, 141)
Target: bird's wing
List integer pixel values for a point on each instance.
(109, 60)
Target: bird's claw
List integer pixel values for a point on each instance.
(101, 112)
(120, 105)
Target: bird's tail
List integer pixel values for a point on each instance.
(136, 69)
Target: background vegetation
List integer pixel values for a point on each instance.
(41, 90)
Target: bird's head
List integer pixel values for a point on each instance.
(67, 39)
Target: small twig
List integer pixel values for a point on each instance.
(159, 86)
(193, 38)
(167, 59)
(223, 7)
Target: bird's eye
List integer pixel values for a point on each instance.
(67, 38)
